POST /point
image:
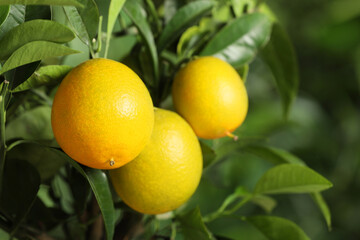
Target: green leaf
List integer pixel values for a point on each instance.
(15, 17)
(45, 76)
(291, 178)
(43, 158)
(273, 155)
(42, 2)
(35, 30)
(20, 186)
(101, 189)
(131, 8)
(4, 12)
(243, 72)
(239, 5)
(34, 124)
(35, 51)
(184, 17)
(238, 42)
(208, 154)
(279, 54)
(192, 226)
(320, 202)
(114, 10)
(195, 37)
(85, 21)
(276, 228)
(265, 202)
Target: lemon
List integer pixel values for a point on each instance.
(211, 96)
(102, 115)
(167, 171)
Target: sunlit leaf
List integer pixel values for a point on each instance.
(291, 178)
(35, 30)
(184, 17)
(47, 75)
(15, 17)
(239, 41)
(114, 10)
(84, 20)
(35, 51)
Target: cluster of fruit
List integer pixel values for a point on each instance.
(103, 117)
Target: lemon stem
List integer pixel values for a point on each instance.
(234, 137)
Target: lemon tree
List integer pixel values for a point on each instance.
(79, 82)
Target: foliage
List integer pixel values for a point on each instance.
(45, 193)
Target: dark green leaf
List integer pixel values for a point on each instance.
(41, 2)
(62, 192)
(43, 158)
(84, 20)
(20, 182)
(34, 124)
(114, 10)
(35, 30)
(37, 12)
(47, 75)
(131, 8)
(192, 226)
(279, 54)
(16, 16)
(291, 178)
(80, 189)
(238, 42)
(273, 155)
(100, 186)
(320, 202)
(208, 154)
(184, 17)
(20, 74)
(276, 228)
(4, 12)
(35, 51)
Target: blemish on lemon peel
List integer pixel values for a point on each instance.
(233, 136)
(112, 162)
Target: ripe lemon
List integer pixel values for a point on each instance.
(211, 96)
(102, 115)
(167, 171)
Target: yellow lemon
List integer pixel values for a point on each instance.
(167, 171)
(102, 115)
(211, 96)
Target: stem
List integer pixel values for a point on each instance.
(234, 137)
(221, 211)
(3, 96)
